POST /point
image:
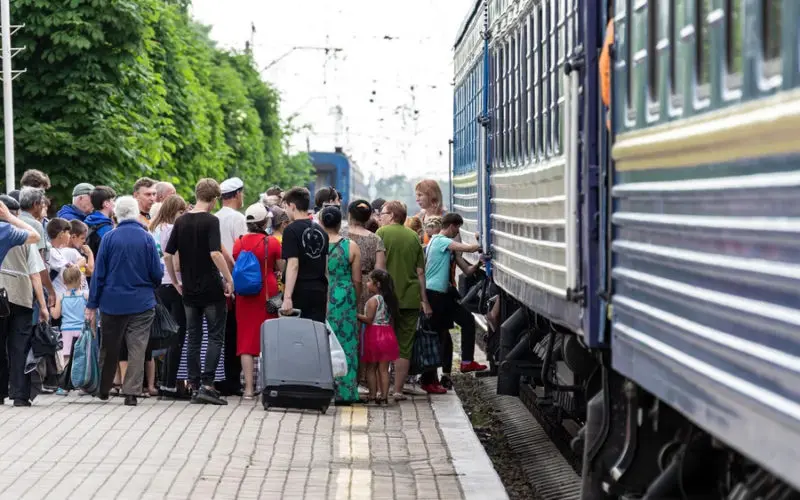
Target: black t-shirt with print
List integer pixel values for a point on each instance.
(308, 242)
(193, 238)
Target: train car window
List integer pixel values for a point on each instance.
(771, 32)
(733, 35)
(514, 81)
(627, 35)
(524, 90)
(509, 118)
(653, 32)
(677, 20)
(536, 81)
(545, 77)
(557, 77)
(492, 107)
(498, 102)
(703, 41)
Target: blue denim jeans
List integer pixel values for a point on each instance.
(216, 315)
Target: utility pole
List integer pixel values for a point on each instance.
(9, 75)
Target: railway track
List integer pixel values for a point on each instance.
(551, 475)
(541, 443)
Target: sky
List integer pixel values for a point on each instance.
(378, 51)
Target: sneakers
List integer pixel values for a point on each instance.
(21, 403)
(130, 401)
(413, 390)
(472, 366)
(61, 392)
(204, 395)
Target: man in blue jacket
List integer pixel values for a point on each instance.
(81, 203)
(126, 274)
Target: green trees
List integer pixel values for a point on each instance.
(117, 89)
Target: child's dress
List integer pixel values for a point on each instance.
(380, 342)
(73, 311)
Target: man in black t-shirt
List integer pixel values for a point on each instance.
(305, 249)
(196, 238)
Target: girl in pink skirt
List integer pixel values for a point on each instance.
(380, 343)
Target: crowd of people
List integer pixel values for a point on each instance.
(110, 263)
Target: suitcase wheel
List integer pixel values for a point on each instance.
(323, 409)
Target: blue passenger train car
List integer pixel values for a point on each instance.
(338, 170)
(647, 276)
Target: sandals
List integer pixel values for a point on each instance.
(248, 397)
(399, 396)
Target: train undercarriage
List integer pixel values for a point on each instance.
(624, 442)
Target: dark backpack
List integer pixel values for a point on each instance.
(93, 239)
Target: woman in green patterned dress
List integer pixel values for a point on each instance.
(344, 286)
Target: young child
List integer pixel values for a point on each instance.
(79, 249)
(62, 256)
(380, 343)
(70, 307)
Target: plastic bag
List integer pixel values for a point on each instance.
(85, 371)
(164, 330)
(338, 358)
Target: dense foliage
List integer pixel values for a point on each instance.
(117, 89)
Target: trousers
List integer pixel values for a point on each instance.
(16, 332)
(446, 311)
(134, 331)
(216, 314)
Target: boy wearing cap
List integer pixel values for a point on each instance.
(232, 223)
(81, 203)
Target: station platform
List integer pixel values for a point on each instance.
(81, 447)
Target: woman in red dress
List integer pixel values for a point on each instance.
(251, 310)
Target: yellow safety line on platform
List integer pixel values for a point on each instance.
(353, 484)
(353, 440)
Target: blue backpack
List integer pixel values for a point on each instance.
(247, 277)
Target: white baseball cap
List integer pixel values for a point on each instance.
(231, 185)
(256, 212)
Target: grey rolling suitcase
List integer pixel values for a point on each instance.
(295, 367)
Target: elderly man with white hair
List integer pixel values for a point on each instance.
(126, 274)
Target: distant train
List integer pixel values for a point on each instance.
(648, 278)
(338, 170)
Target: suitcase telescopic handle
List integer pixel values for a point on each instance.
(293, 313)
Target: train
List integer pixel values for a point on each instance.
(645, 272)
(338, 170)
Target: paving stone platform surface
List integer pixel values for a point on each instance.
(80, 447)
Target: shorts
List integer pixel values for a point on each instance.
(405, 327)
(68, 338)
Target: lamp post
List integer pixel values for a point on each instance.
(8, 98)
(9, 74)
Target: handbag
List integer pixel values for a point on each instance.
(425, 353)
(274, 303)
(85, 370)
(5, 305)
